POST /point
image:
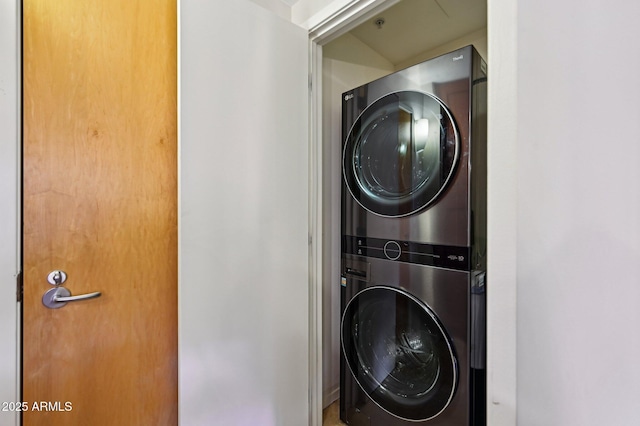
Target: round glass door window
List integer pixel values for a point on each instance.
(400, 153)
(399, 353)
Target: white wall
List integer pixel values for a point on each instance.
(357, 58)
(347, 63)
(477, 38)
(9, 205)
(276, 6)
(308, 13)
(578, 236)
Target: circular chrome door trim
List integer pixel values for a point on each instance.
(447, 180)
(425, 307)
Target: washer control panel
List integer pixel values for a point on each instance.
(452, 257)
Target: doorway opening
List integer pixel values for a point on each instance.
(387, 37)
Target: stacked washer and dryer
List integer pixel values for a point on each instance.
(414, 246)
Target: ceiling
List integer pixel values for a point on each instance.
(414, 26)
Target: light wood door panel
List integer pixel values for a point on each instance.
(100, 203)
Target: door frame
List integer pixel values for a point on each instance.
(329, 27)
(501, 192)
(10, 83)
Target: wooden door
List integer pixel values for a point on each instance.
(100, 203)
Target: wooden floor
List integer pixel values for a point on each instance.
(331, 415)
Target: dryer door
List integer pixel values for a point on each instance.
(400, 153)
(399, 353)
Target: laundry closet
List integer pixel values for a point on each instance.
(407, 33)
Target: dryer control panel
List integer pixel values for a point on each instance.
(450, 257)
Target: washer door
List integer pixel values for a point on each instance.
(400, 153)
(399, 353)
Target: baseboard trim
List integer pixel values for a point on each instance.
(329, 396)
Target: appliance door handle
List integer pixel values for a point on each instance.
(58, 297)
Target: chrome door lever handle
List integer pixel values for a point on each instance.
(58, 297)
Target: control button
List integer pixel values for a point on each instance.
(392, 250)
